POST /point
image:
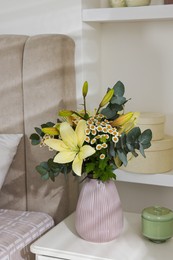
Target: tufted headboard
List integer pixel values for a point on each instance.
(37, 78)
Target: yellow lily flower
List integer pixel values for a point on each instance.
(71, 146)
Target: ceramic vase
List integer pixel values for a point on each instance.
(99, 215)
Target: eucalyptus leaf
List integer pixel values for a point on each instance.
(109, 113)
(123, 141)
(145, 137)
(130, 147)
(41, 170)
(141, 149)
(133, 134)
(52, 176)
(35, 139)
(48, 124)
(44, 165)
(118, 100)
(111, 149)
(119, 89)
(122, 156)
(45, 176)
(38, 130)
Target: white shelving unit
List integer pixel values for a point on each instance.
(144, 13)
(162, 179)
(95, 16)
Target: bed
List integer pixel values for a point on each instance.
(37, 78)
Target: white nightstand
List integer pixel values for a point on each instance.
(62, 242)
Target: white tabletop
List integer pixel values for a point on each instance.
(62, 241)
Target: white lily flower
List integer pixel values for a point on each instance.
(71, 146)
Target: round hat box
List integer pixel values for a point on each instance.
(153, 121)
(159, 158)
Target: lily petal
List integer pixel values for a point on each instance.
(64, 157)
(80, 132)
(77, 165)
(86, 151)
(68, 135)
(56, 145)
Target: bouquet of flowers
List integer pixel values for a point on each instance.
(92, 144)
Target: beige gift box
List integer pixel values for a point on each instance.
(153, 121)
(159, 157)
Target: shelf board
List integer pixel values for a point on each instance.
(161, 179)
(140, 13)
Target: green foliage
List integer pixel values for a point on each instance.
(100, 169)
(51, 169)
(117, 102)
(132, 141)
(37, 137)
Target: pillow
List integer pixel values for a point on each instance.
(8, 149)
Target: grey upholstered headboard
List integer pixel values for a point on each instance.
(37, 77)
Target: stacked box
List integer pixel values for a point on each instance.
(159, 157)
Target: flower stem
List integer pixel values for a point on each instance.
(85, 105)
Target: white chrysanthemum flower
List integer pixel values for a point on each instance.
(98, 147)
(87, 131)
(115, 139)
(104, 145)
(93, 132)
(99, 128)
(93, 141)
(102, 156)
(87, 139)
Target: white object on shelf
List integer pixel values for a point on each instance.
(62, 242)
(152, 12)
(159, 158)
(132, 3)
(160, 179)
(117, 3)
(153, 121)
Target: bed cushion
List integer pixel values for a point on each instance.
(8, 148)
(18, 230)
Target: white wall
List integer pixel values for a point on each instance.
(44, 16)
(141, 55)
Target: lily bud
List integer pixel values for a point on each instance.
(117, 161)
(85, 89)
(57, 126)
(125, 122)
(107, 98)
(65, 113)
(50, 130)
(121, 120)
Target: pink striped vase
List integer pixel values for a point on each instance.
(99, 216)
